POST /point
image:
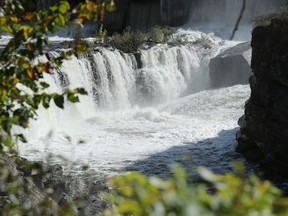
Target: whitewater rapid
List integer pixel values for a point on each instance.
(197, 130)
(141, 119)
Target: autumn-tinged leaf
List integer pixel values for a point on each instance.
(28, 16)
(31, 74)
(26, 31)
(41, 68)
(81, 19)
(30, 47)
(91, 7)
(14, 19)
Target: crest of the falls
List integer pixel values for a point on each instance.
(114, 82)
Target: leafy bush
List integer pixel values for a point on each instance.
(227, 194)
(128, 42)
(160, 34)
(101, 35)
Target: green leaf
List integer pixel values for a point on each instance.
(54, 8)
(64, 6)
(46, 101)
(72, 98)
(206, 174)
(22, 138)
(111, 6)
(59, 101)
(44, 85)
(8, 142)
(82, 91)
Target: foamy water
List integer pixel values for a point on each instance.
(139, 119)
(111, 141)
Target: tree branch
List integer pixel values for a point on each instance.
(238, 20)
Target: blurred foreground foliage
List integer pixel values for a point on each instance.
(23, 90)
(216, 195)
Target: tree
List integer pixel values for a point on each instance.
(22, 88)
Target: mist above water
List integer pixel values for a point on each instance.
(220, 16)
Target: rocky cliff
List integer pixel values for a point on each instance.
(264, 127)
(29, 188)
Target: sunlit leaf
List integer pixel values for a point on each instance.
(91, 7)
(31, 74)
(26, 31)
(60, 20)
(14, 19)
(111, 6)
(72, 98)
(63, 7)
(206, 174)
(3, 20)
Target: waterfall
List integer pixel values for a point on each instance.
(138, 105)
(114, 82)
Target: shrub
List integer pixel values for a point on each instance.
(160, 34)
(229, 194)
(128, 42)
(101, 35)
(265, 20)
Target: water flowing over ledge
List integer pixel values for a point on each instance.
(133, 111)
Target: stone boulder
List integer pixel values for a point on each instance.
(232, 66)
(264, 127)
(36, 178)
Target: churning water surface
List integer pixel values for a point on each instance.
(141, 119)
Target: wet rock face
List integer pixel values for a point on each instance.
(86, 190)
(232, 66)
(264, 127)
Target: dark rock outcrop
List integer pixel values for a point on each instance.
(264, 127)
(36, 178)
(232, 66)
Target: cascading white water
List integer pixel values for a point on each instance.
(114, 82)
(166, 73)
(131, 113)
